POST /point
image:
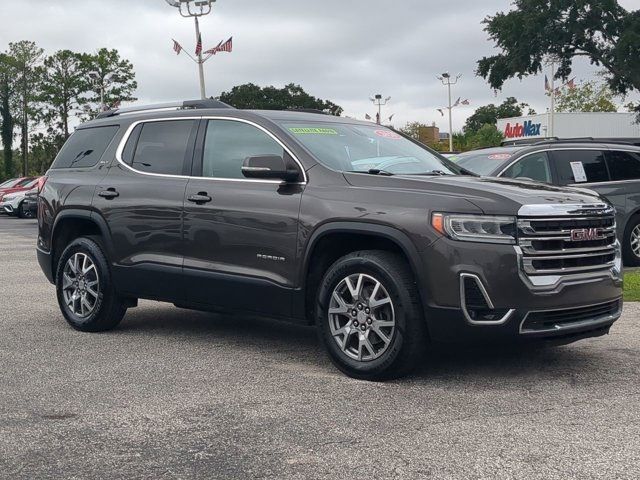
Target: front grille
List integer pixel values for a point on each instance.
(554, 320)
(550, 248)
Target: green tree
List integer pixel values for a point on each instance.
(114, 73)
(489, 114)
(412, 129)
(44, 148)
(64, 85)
(27, 59)
(7, 121)
(487, 136)
(590, 96)
(536, 30)
(251, 96)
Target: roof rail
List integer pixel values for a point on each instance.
(185, 105)
(621, 141)
(307, 110)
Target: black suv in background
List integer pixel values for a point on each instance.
(611, 169)
(380, 242)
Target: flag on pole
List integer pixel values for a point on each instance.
(457, 102)
(441, 112)
(221, 47)
(465, 102)
(547, 85)
(176, 47)
(571, 84)
(199, 45)
(367, 116)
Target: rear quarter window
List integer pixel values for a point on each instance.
(624, 165)
(85, 147)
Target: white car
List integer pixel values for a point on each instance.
(13, 204)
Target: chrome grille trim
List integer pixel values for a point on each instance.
(548, 248)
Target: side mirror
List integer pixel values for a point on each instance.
(270, 167)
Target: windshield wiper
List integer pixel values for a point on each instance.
(373, 171)
(378, 171)
(434, 173)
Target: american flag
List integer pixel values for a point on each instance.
(177, 47)
(222, 47)
(199, 45)
(466, 102)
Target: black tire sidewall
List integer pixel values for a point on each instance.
(91, 249)
(367, 265)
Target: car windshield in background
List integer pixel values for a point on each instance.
(362, 148)
(482, 163)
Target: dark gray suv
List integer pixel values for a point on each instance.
(611, 169)
(380, 242)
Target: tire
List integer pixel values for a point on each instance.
(102, 308)
(631, 244)
(400, 319)
(21, 213)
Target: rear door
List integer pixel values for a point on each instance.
(141, 200)
(587, 168)
(624, 166)
(240, 238)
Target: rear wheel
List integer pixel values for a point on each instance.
(631, 247)
(369, 316)
(22, 212)
(85, 292)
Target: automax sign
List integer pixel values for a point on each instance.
(521, 130)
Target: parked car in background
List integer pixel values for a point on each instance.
(11, 198)
(15, 184)
(20, 203)
(611, 169)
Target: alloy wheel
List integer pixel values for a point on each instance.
(362, 317)
(80, 285)
(635, 241)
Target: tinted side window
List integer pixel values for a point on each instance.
(228, 143)
(534, 166)
(624, 165)
(85, 147)
(580, 166)
(162, 147)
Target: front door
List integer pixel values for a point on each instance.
(240, 234)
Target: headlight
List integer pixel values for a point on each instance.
(476, 228)
(9, 198)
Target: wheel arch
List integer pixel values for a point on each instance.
(72, 223)
(379, 236)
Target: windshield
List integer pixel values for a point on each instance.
(8, 183)
(362, 148)
(482, 163)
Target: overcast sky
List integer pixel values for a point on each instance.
(339, 50)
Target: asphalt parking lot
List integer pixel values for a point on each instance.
(175, 394)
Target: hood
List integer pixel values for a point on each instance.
(494, 196)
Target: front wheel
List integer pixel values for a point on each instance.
(369, 316)
(86, 294)
(631, 245)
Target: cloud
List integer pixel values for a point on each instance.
(338, 50)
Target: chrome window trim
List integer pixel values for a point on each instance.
(131, 127)
(485, 294)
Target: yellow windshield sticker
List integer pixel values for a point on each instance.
(313, 131)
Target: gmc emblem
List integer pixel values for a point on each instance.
(582, 234)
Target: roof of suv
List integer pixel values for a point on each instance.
(159, 111)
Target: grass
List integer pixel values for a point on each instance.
(632, 286)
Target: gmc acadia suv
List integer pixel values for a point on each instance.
(379, 241)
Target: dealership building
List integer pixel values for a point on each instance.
(571, 125)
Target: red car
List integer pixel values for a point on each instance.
(13, 182)
(25, 183)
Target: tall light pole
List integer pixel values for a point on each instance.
(379, 102)
(102, 84)
(195, 9)
(448, 80)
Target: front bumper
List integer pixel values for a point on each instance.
(559, 309)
